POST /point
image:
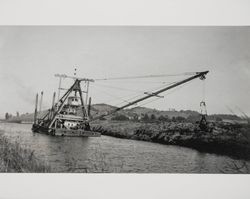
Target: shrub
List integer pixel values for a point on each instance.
(120, 118)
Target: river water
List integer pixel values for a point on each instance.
(108, 154)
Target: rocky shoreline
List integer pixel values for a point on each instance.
(231, 140)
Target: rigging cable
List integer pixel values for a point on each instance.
(127, 100)
(137, 82)
(150, 91)
(145, 76)
(119, 88)
(203, 103)
(140, 91)
(119, 98)
(174, 90)
(203, 90)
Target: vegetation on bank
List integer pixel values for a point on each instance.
(227, 139)
(14, 158)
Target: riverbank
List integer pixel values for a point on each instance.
(231, 140)
(14, 158)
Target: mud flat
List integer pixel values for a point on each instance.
(14, 158)
(224, 139)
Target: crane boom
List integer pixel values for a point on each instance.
(200, 75)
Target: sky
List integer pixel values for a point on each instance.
(31, 55)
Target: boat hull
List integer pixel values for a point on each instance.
(76, 133)
(64, 132)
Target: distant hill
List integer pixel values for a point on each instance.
(98, 109)
(101, 108)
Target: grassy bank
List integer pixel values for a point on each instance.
(14, 158)
(232, 140)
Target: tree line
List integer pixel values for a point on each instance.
(9, 115)
(149, 118)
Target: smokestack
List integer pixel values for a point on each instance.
(41, 102)
(89, 106)
(35, 114)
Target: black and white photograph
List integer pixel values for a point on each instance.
(123, 99)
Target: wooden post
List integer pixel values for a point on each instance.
(41, 102)
(59, 87)
(89, 106)
(35, 114)
(53, 100)
(53, 104)
(87, 92)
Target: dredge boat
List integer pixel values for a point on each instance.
(70, 116)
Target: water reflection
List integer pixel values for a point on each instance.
(108, 154)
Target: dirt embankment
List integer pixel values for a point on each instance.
(14, 158)
(232, 140)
